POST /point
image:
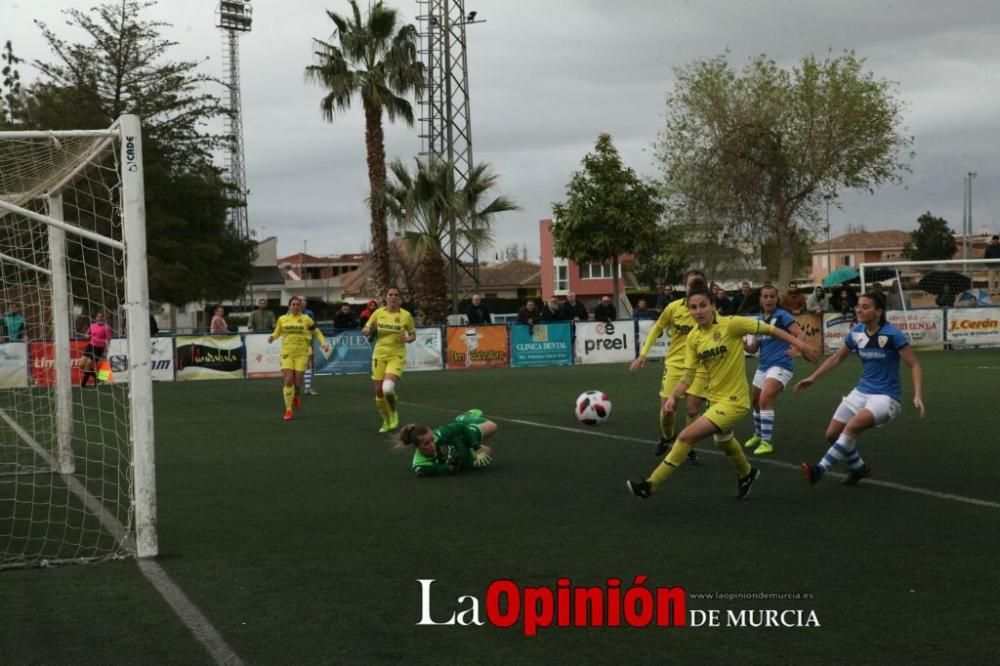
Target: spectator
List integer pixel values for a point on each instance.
(793, 300)
(477, 312)
(529, 314)
(367, 312)
(261, 320)
(946, 298)
(643, 312)
(818, 303)
(844, 301)
(605, 311)
(574, 310)
(218, 325)
(13, 322)
(666, 297)
(344, 318)
(743, 301)
(723, 304)
(993, 249)
(552, 310)
(99, 336)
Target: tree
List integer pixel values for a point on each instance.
(424, 202)
(933, 239)
(770, 255)
(754, 154)
(379, 63)
(10, 85)
(192, 252)
(664, 258)
(609, 211)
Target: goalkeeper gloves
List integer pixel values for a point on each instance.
(482, 459)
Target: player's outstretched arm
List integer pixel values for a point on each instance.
(828, 365)
(910, 359)
(808, 352)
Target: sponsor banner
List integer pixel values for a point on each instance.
(477, 347)
(350, 353)
(812, 328)
(600, 342)
(42, 357)
(924, 328)
(974, 326)
(541, 344)
(14, 365)
(662, 344)
(161, 357)
(427, 351)
(209, 357)
(263, 358)
(835, 327)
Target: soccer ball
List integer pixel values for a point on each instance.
(593, 408)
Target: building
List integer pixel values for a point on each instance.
(560, 275)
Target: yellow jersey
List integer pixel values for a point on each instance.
(719, 350)
(388, 326)
(297, 333)
(676, 319)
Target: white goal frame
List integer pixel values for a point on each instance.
(127, 131)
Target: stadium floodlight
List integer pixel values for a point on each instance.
(77, 471)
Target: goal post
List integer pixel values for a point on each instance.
(928, 299)
(77, 465)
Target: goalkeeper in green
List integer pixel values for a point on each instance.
(449, 448)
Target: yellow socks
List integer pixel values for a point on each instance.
(288, 392)
(666, 425)
(383, 409)
(734, 452)
(674, 459)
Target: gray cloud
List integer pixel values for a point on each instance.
(547, 77)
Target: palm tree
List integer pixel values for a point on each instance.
(378, 62)
(423, 204)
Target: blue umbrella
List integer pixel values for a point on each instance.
(840, 276)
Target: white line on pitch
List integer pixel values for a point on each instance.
(186, 611)
(756, 461)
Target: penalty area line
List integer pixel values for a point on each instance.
(913, 490)
(189, 614)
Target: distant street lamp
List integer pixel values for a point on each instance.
(829, 265)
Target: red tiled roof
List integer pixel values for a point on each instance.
(891, 239)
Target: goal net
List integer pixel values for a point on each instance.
(940, 303)
(76, 463)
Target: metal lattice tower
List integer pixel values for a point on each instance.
(235, 17)
(445, 122)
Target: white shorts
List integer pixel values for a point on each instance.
(884, 408)
(783, 375)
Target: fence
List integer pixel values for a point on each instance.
(250, 356)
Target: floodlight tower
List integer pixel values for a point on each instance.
(446, 123)
(235, 17)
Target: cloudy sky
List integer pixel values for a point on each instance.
(547, 76)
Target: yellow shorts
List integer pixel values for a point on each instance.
(671, 375)
(387, 366)
(296, 362)
(726, 414)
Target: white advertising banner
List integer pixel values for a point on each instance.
(924, 328)
(263, 358)
(835, 327)
(161, 352)
(425, 353)
(974, 326)
(14, 365)
(659, 348)
(600, 342)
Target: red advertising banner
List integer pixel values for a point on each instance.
(42, 355)
(477, 347)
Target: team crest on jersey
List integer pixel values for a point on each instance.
(883, 340)
(717, 337)
(397, 320)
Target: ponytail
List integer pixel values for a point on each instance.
(410, 433)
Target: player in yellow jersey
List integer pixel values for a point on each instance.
(297, 331)
(393, 328)
(676, 319)
(716, 346)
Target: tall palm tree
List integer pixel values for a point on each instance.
(379, 63)
(423, 204)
